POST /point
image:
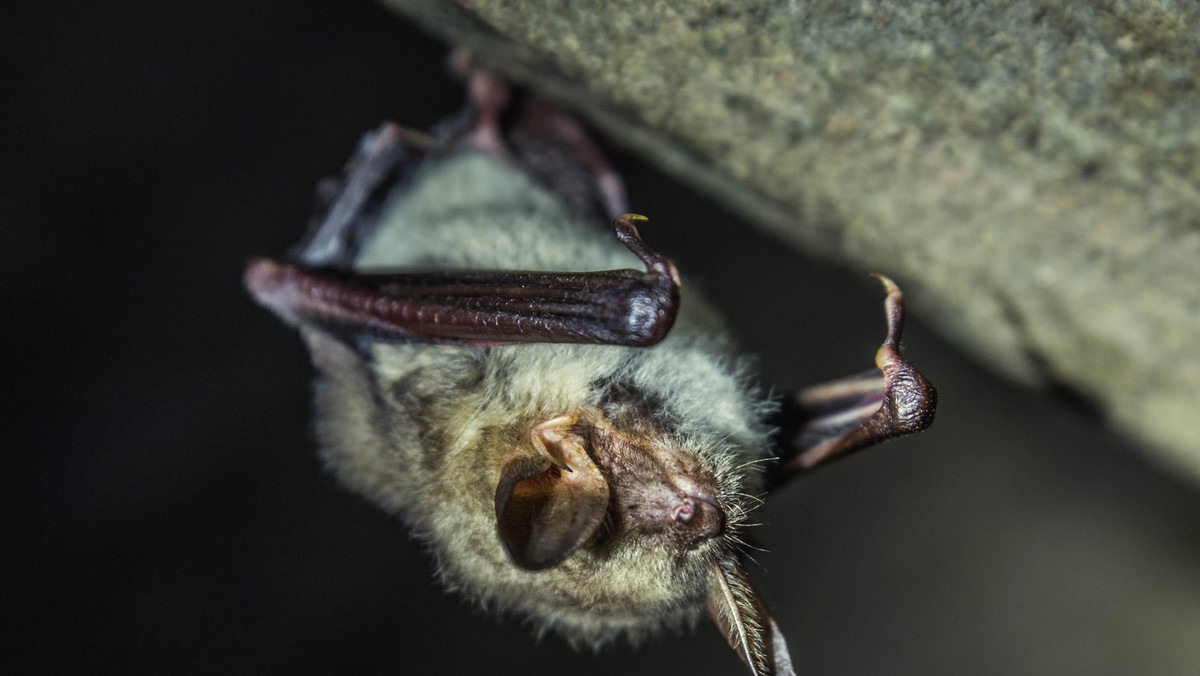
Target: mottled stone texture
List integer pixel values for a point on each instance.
(1028, 171)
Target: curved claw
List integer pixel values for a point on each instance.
(655, 262)
(893, 307)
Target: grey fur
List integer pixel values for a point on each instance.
(422, 430)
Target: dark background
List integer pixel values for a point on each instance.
(167, 512)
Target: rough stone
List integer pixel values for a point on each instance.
(1028, 171)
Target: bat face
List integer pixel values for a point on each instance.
(571, 437)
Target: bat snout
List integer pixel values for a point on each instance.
(696, 514)
(697, 519)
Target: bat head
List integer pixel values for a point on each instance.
(584, 471)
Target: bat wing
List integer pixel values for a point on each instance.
(614, 307)
(831, 420)
(318, 287)
(740, 615)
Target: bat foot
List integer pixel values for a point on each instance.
(489, 97)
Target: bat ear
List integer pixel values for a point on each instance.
(741, 616)
(549, 504)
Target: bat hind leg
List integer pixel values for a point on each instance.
(556, 148)
(545, 140)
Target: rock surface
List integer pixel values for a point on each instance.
(1029, 173)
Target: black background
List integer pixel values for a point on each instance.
(167, 512)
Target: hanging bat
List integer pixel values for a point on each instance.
(578, 448)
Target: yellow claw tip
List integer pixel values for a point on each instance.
(888, 284)
(634, 217)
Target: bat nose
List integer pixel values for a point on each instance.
(697, 511)
(701, 517)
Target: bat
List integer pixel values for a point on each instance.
(548, 407)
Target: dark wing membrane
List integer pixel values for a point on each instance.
(740, 614)
(347, 206)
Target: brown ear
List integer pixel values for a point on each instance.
(549, 504)
(741, 616)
